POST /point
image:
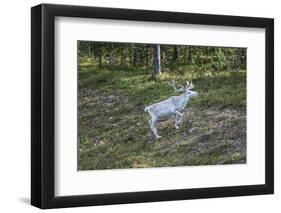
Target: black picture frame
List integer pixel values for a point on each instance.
(43, 102)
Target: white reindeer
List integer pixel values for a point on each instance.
(171, 106)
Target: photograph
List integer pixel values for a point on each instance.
(160, 105)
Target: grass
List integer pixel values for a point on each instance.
(114, 131)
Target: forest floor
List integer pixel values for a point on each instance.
(114, 131)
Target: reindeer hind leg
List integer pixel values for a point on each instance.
(177, 121)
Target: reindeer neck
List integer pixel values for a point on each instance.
(183, 99)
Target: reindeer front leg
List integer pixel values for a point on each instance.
(179, 116)
(152, 123)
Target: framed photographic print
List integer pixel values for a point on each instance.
(140, 106)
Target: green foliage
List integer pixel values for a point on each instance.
(132, 56)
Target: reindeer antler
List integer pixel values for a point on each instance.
(189, 85)
(173, 84)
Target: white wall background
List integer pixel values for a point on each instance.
(15, 105)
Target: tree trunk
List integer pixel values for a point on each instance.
(156, 60)
(122, 61)
(176, 54)
(132, 55)
(135, 56)
(89, 49)
(237, 60)
(141, 57)
(100, 57)
(186, 57)
(111, 56)
(146, 55)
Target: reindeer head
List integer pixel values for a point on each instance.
(186, 90)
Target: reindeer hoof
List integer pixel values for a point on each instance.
(176, 127)
(158, 137)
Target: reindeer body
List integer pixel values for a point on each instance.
(168, 106)
(171, 106)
